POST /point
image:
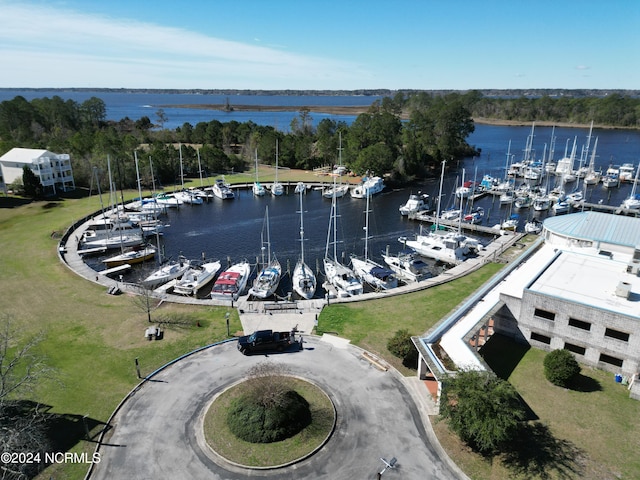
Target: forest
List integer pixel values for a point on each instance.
(403, 136)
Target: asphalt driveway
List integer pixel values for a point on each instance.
(157, 432)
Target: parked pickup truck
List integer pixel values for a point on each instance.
(267, 341)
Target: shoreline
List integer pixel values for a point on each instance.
(359, 109)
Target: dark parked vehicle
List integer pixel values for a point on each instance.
(268, 341)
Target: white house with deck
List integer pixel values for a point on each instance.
(53, 169)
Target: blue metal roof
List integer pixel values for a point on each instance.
(597, 227)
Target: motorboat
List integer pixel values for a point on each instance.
(415, 204)
(523, 201)
(444, 246)
(231, 283)
(507, 197)
(625, 173)
(408, 266)
(541, 203)
(510, 224)
(466, 190)
(304, 280)
(196, 277)
(369, 186)
(474, 216)
(268, 279)
(132, 256)
(168, 200)
(379, 277)
(189, 197)
(533, 226)
(338, 191)
(560, 207)
(167, 272)
(610, 181)
(300, 188)
(222, 190)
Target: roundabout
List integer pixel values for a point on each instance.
(158, 430)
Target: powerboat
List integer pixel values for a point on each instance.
(369, 186)
(533, 226)
(408, 266)
(231, 283)
(196, 277)
(415, 204)
(222, 190)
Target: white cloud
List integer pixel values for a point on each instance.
(50, 47)
(582, 67)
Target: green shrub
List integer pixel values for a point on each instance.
(560, 367)
(402, 347)
(255, 422)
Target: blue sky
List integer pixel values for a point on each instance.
(329, 45)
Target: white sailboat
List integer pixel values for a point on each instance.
(258, 188)
(276, 188)
(169, 271)
(337, 190)
(184, 195)
(268, 279)
(632, 202)
(338, 275)
(367, 270)
(304, 280)
(592, 177)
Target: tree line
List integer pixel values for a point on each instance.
(404, 136)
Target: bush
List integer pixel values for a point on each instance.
(254, 422)
(560, 367)
(402, 347)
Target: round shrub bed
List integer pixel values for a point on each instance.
(286, 436)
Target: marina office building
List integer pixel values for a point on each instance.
(579, 290)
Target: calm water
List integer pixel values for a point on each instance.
(230, 230)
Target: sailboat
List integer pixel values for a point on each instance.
(339, 190)
(167, 272)
(134, 255)
(184, 195)
(338, 275)
(632, 202)
(258, 188)
(276, 188)
(592, 177)
(367, 270)
(268, 279)
(304, 280)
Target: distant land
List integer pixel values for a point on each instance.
(499, 93)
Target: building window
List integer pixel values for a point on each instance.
(574, 322)
(540, 338)
(610, 332)
(610, 360)
(544, 314)
(574, 348)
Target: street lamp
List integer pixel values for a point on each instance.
(226, 316)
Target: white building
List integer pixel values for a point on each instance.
(53, 169)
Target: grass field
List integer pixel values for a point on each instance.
(92, 339)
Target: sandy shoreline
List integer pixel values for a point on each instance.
(357, 110)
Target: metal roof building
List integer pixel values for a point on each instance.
(53, 169)
(593, 229)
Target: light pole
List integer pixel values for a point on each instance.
(226, 316)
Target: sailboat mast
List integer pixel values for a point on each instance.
(200, 168)
(301, 232)
(268, 235)
(181, 169)
(366, 231)
(440, 195)
(135, 156)
(461, 206)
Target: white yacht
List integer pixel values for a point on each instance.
(408, 266)
(231, 283)
(196, 277)
(415, 204)
(167, 272)
(369, 186)
(222, 190)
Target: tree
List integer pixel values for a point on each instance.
(162, 117)
(482, 409)
(31, 183)
(22, 427)
(560, 367)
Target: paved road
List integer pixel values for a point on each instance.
(157, 435)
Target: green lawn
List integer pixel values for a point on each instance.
(92, 339)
